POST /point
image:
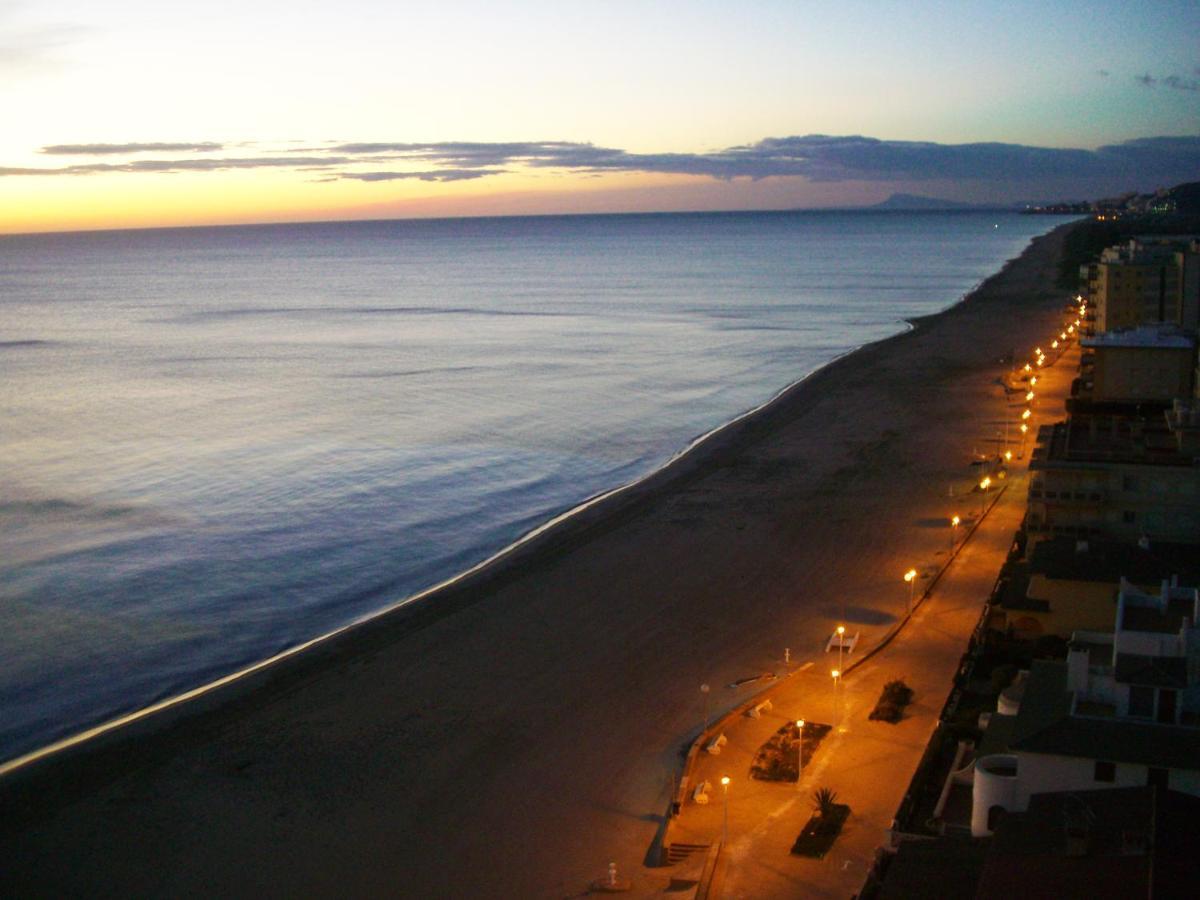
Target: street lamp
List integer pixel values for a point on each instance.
(1024, 429)
(911, 577)
(704, 690)
(799, 751)
(841, 630)
(954, 529)
(983, 486)
(725, 829)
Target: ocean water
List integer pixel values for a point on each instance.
(218, 443)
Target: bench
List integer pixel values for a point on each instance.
(756, 711)
(715, 745)
(700, 795)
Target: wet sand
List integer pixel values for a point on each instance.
(511, 735)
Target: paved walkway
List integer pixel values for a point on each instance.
(869, 764)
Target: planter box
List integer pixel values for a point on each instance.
(821, 832)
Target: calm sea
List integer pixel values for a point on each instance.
(220, 442)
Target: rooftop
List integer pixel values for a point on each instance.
(1045, 724)
(1120, 842)
(1108, 561)
(1156, 335)
(1152, 671)
(1160, 621)
(1115, 439)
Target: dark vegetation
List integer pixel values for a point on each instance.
(776, 759)
(823, 827)
(890, 708)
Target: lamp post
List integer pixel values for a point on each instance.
(725, 827)
(799, 752)
(983, 486)
(1024, 429)
(954, 520)
(841, 630)
(704, 691)
(911, 577)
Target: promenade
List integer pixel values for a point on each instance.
(869, 764)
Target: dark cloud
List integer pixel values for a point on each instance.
(816, 157)
(1181, 84)
(1174, 82)
(188, 165)
(431, 175)
(116, 149)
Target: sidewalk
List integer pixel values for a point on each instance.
(869, 764)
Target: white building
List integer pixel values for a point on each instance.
(1122, 711)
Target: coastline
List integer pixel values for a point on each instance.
(625, 578)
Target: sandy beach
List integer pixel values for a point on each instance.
(512, 734)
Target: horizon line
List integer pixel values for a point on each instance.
(953, 207)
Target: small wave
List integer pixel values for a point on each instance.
(409, 373)
(16, 345)
(266, 311)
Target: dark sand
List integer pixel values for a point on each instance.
(512, 735)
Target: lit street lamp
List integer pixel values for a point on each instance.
(841, 630)
(799, 752)
(983, 486)
(725, 828)
(954, 529)
(911, 577)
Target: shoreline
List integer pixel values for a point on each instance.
(124, 719)
(615, 601)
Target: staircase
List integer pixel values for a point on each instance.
(678, 852)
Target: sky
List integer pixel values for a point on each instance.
(134, 114)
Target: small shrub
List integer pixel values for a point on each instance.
(886, 711)
(824, 801)
(895, 696)
(898, 692)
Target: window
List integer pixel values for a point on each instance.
(1105, 771)
(1141, 701)
(1157, 778)
(1166, 706)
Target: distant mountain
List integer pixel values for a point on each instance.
(917, 202)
